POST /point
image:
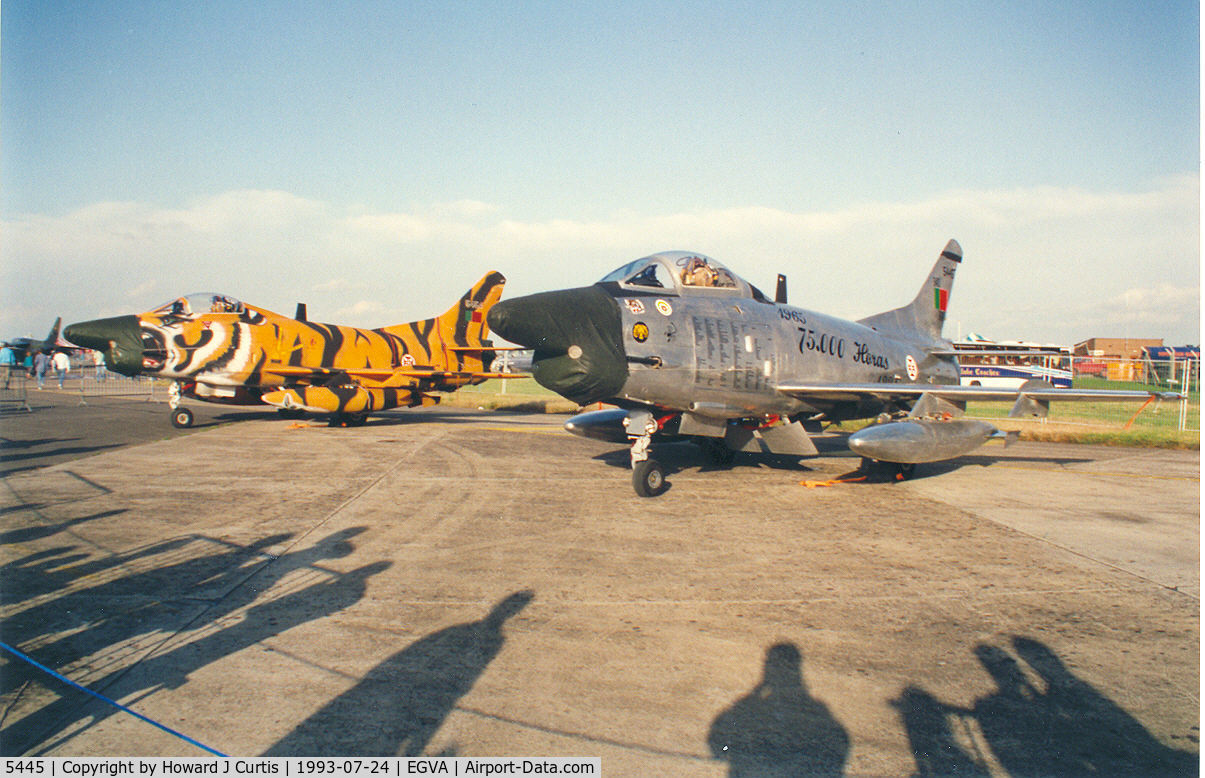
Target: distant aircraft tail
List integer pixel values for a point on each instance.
(53, 337)
(927, 312)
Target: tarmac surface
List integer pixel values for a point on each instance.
(460, 583)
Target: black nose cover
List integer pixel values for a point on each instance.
(118, 338)
(577, 338)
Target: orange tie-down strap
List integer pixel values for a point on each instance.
(833, 482)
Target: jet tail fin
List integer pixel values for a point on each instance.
(464, 323)
(927, 312)
(463, 327)
(53, 337)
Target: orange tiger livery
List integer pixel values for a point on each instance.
(218, 349)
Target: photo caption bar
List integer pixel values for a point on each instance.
(287, 767)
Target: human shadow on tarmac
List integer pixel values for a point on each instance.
(233, 616)
(31, 460)
(111, 612)
(779, 728)
(1061, 726)
(39, 531)
(9, 444)
(400, 704)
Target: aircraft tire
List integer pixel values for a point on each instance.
(648, 478)
(182, 418)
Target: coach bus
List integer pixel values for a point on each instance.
(983, 363)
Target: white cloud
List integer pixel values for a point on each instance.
(360, 309)
(1045, 263)
(339, 285)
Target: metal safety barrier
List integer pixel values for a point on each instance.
(14, 392)
(98, 381)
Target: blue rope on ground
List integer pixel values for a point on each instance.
(102, 697)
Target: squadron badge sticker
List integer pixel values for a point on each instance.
(663, 308)
(635, 306)
(912, 367)
(640, 333)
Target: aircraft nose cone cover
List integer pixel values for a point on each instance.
(118, 338)
(577, 338)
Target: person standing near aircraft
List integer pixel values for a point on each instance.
(98, 359)
(41, 363)
(8, 362)
(62, 366)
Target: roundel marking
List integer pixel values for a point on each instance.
(663, 308)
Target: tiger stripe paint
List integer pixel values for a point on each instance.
(328, 368)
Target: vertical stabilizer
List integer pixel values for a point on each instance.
(926, 313)
(464, 324)
(455, 340)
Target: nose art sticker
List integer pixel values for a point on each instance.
(640, 333)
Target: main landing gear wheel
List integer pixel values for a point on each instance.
(181, 418)
(648, 478)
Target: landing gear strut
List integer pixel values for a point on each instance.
(648, 477)
(181, 417)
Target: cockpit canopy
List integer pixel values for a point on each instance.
(201, 302)
(680, 272)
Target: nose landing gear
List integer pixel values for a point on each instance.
(182, 418)
(648, 476)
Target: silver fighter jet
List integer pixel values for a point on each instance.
(685, 348)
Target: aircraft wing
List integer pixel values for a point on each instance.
(378, 374)
(344, 391)
(961, 394)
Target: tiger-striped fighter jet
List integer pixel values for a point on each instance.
(218, 349)
(688, 350)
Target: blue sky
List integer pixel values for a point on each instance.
(376, 158)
